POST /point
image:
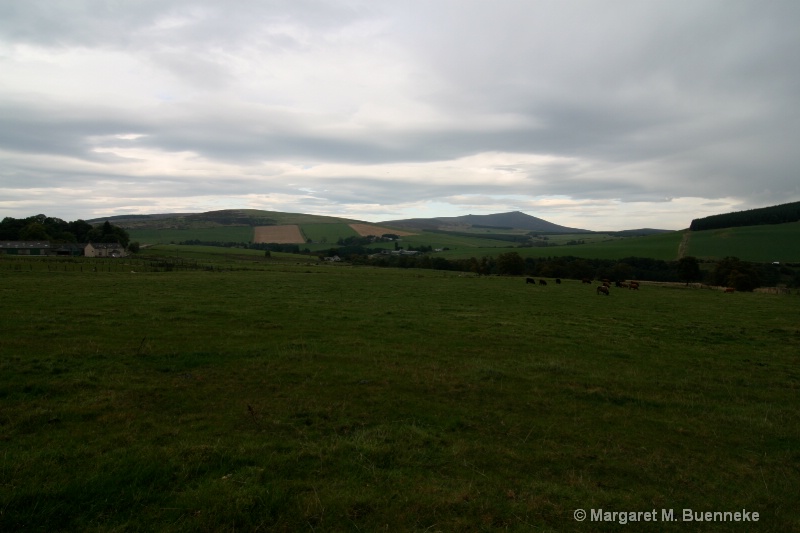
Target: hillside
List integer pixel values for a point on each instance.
(776, 214)
(211, 219)
(511, 220)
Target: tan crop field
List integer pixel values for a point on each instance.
(368, 229)
(288, 234)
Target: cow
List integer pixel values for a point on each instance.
(623, 285)
(558, 281)
(530, 280)
(607, 284)
(542, 282)
(586, 280)
(602, 289)
(729, 289)
(634, 285)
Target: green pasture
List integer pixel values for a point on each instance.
(218, 234)
(328, 233)
(321, 397)
(766, 243)
(662, 246)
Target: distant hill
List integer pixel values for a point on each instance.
(511, 220)
(211, 219)
(777, 214)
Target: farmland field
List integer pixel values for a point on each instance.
(287, 234)
(663, 246)
(766, 243)
(319, 397)
(166, 236)
(328, 233)
(371, 229)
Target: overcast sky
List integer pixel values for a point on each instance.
(598, 114)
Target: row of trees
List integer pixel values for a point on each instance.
(777, 214)
(44, 228)
(730, 272)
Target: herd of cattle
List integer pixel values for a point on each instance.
(605, 285)
(601, 289)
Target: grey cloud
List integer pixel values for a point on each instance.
(640, 101)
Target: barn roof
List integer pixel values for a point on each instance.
(24, 245)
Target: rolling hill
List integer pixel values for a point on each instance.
(475, 235)
(508, 221)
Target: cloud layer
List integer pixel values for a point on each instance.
(607, 115)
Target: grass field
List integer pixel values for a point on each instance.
(767, 243)
(218, 234)
(328, 233)
(314, 397)
(663, 246)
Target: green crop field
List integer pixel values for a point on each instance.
(767, 243)
(321, 397)
(327, 233)
(218, 234)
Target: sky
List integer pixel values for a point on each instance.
(600, 115)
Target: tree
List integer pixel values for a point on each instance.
(510, 264)
(133, 247)
(108, 232)
(35, 231)
(689, 269)
(731, 272)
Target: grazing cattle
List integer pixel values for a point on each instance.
(530, 280)
(729, 289)
(634, 285)
(606, 284)
(602, 289)
(586, 280)
(558, 281)
(542, 282)
(623, 285)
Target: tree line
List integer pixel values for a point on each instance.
(44, 228)
(777, 214)
(729, 272)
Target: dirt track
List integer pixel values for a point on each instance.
(289, 234)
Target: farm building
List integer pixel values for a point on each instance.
(104, 249)
(69, 248)
(93, 249)
(25, 248)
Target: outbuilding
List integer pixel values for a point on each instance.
(25, 247)
(104, 249)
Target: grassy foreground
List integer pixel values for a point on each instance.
(326, 398)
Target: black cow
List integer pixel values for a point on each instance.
(542, 282)
(530, 280)
(558, 281)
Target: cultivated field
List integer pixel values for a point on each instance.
(288, 234)
(370, 229)
(318, 397)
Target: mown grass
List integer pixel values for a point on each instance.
(326, 398)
